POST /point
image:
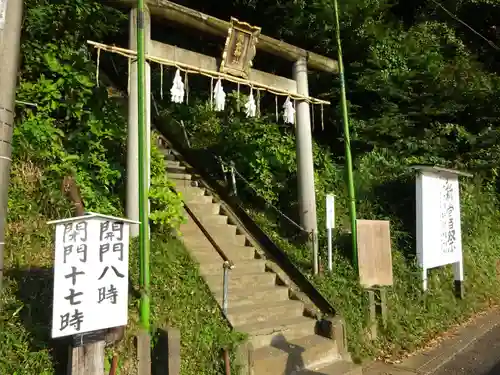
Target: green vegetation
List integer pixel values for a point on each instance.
(421, 87)
(265, 154)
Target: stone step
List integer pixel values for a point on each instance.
(336, 368)
(268, 310)
(261, 279)
(250, 296)
(288, 357)
(290, 328)
(240, 267)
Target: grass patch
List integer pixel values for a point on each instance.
(179, 298)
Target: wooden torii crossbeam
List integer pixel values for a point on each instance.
(203, 22)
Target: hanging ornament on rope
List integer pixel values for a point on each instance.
(161, 81)
(250, 106)
(177, 90)
(129, 72)
(98, 66)
(219, 96)
(289, 112)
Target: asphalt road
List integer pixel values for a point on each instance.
(481, 358)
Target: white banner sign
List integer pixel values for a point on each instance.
(90, 275)
(3, 13)
(330, 212)
(439, 236)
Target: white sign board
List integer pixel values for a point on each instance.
(439, 236)
(3, 13)
(330, 211)
(90, 274)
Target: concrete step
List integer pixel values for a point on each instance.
(190, 190)
(288, 357)
(261, 279)
(172, 163)
(269, 310)
(241, 267)
(290, 328)
(211, 223)
(211, 219)
(200, 200)
(336, 368)
(205, 253)
(180, 177)
(229, 238)
(173, 168)
(168, 155)
(246, 296)
(220, 233)
(203, 208)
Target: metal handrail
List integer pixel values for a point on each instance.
(228, 263)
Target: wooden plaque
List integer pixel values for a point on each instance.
(374, 253)
(239, 50)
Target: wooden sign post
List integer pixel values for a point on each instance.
(90, 285)
(375, 267)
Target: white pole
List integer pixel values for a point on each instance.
(330, 224)
(330, 265)
(305, 164)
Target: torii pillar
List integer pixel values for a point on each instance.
(305, 160)
(132, 200)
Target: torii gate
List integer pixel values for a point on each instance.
(297, 88)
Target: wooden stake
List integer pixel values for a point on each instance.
(87, 359)
(143, 353)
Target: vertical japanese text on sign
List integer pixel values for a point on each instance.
(90, 275)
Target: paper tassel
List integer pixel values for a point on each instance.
(161, 81)
(98, 66)
(289, 112)
(177, 90)
(129, 72)
(250, 106)
(219, 96)
(186, 86)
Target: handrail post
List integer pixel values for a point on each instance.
(225, 286)
(233, 179)
(184, 131)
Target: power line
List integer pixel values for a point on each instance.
(466, 25)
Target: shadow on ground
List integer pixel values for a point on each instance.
(295, 362)
(35, 288)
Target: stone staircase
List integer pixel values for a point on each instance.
(283, 338)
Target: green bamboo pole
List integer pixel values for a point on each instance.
(143, 170)
(347, 140)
